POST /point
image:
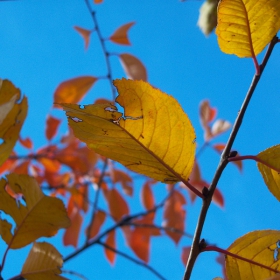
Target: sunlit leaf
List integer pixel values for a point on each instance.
(258, 246)
(245, 27)
(85, 34)
(111, 241)
(185, 254)
(133, 67)
(120, 35)
(155, 138)
(219, 126)
(12, 115)
(73, 90)
(40, 216)
(52, 126)
(71, 234)
(270, 176)
(43, 262)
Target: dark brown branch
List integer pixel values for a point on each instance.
(134, 260)
(195, 249)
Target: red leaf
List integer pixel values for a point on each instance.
(111, 241)
(97, 1)
(98, 221)
(52, 126)
(85, 34)
(117, 205)
(174, 215)
(124, 179)
(120, 35)
(71, 235)
(185, 254)
(22, 168)
(133, 67)
(73, 90)
(147, 196)
(27, 142)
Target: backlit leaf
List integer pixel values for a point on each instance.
(85, 34)
(43, 262)
(27, 142)
(120, 35)
(245, 27)
(52, 126)
(133, 67)
(73, 90)
(270, 176)
(219, 126)
(155, 138)
(98, 221)
(124, 179)
(258, 246)
(12, 115)
(110, 241)
(97, 1)
(147, 196)
(185, 254)
(40, 216)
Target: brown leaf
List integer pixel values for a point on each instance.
(147, 196)
(52, 126)
(120, 35)
(206, 115)
(73, 90)
(85, 34)
(174, 215)
(133, 67)
(71, 235)
(111, 241)
(117, 205)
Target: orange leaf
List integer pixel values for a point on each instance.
(85, 34)
(73, 90)
(117, 205)
(8, 164)
(124, 179)
(22, 168)
(133, 67)
(27, 142)
(120, 35)
(97, 1)
(147, 196)
(50, 164)
(111, 241)
(79, 196)
(98, 221)
(71, 235)
(52, 126)
(174, 215)
(185, 254)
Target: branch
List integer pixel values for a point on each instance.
(134, 260)
(105, 52)
(195, 249)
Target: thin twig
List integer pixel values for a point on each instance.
(195, 249)
(134, 260)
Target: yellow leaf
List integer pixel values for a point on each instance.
(154, 138)
(43, 262)
(133, 67)
(12, 116)
(245, 27)
(41, 216)
(73, 90)
(270, 176)
(258, 246)
(120, 35)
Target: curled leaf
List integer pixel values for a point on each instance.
(133, 67)
(245, 27)
(154, 138)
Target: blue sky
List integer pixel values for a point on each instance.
(40, 49)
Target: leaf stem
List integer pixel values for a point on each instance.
(195, 248)
(228, 253)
